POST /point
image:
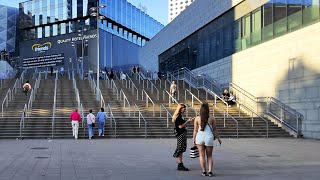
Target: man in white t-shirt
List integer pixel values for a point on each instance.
(91, 119)
(173, 91)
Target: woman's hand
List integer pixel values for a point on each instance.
(191, 119)
(219, 140)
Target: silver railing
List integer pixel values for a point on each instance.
(196, 80)
(152, 88)
(147, 74)
(225, 114)
(92, 83)
(253, 115)
(141, 117)
(192, 97)
(54, 107)
(170, 97)
(23, 119)
(76, 90)
(168, 114)
(114, 88)
(125, 101)
(147, 98)
(132, 86)
(259, 106)
(6, 100)
(109, 111)
(33, 93)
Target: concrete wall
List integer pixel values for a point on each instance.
(287, 68)
(198, 14)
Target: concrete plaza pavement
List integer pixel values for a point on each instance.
(148, 159)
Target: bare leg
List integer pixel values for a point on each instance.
(209, 150)
(179, 158)
(201, 157)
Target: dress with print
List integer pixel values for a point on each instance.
(181, 138)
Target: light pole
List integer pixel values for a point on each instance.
(95, 13)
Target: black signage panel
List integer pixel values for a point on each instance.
(43, 61)
(63, 50)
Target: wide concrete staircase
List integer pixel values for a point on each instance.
(157, 126)
(127, 123)
(11, 115)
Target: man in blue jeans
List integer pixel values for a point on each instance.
(90, 121)
(101, 117)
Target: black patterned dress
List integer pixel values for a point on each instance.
(181, 138)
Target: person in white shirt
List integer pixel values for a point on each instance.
(123, 76)
(62, 70)
(26, 88)
(91, 119)
(173, 91)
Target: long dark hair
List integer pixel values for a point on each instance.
(204, 114)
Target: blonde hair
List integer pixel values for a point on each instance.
(177, 112)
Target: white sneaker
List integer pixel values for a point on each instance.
(102, 134)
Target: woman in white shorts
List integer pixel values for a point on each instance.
(203, 136)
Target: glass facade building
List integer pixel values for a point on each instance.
(239, 29)
(8, 28)
(47, 18)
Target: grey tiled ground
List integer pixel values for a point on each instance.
(152, 159)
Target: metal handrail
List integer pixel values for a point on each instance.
(92, 83)
(193, 97)
(6, 100)
(76, 90)
(187, 109)
(22, 120)
(141, 116)
(252, 112)
(153, 86)
(81, 111)
(15, 87)
(168, 113)
(114, 88)
(224, 117)
(54, 107)
(147, 100)
(170, 97)
(33, 93)
(211, 84)
(133, 86)
(112, 120)
(125, 99)
(269, 100)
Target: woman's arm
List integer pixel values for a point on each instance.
(195, 130)
(186, 123)
(215, 129)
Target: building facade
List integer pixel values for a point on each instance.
(8, 28)
(267, 47)
(70, 25)
(175, 7)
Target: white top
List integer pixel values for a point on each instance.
(123, 76)
(91, 118)
(27, 84)
(173, 88)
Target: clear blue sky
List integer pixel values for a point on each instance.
(158, 9)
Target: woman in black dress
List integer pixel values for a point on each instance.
(181, 132)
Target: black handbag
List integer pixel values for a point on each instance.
(93, 125)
